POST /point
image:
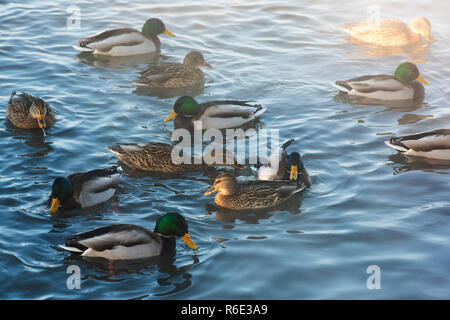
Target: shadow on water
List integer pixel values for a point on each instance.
(166, 273)
(33, 138)
(403, 163)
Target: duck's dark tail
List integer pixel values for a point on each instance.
(12, 95)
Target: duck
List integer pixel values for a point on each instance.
(284, 166)
(175, 75)
(29, 112)
(126, 41)
(157, 157)
(128, 241)
(405, 84)
(430, 144)
(390, 32)
(219, 114)
(251, 194)
(84, 189)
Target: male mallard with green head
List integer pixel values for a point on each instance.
(175, 75)
(220, 114)
(403, 85)
(127, 241)
(284, 166)
(84, 189)
(431, 144)
(126, 41)
(255, 194)
(28, 112)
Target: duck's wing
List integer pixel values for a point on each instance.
(422, 142)
(160, 73)
(380, 28)
(121, 241)
(278, 189)
(369, 84)
(227, 113)
(95, 186)
(106, 40)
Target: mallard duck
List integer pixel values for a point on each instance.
(157, 157)
(84, 189)
(220, 114)
(256, 194)
(284, 166)
(175, 75)
(403, 85)
(126, 41)
(28, 112)
(127, 241)
(389, 32)
(432, 144)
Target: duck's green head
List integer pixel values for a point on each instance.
(173, 224)
(185, 106)
(408, 72)
(38, 111)
(62, 190)
(155, 26)
(195, 59)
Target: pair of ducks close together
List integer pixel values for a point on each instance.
(288, 176)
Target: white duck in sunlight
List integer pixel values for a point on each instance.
(432, 144)
(126, 41)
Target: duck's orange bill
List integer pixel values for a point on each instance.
(41, 121)
(171, 116)
(294, 173)
(205, 64)
(55, 205)
(211, 190)
(169, 33)
(187, 239)
(421, 79)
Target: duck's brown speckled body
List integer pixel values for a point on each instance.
(22, 108)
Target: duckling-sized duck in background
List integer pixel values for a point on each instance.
(431, 144)
(126, 41)
(284, 166)
(156, 157)
(255, 194)
(127, 241)
(220, 114)
(28, 112)
(84, 189)
(175, 75)
(403, 85)
(389, 32)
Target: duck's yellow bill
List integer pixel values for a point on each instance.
(171, 116)
(294, 173)
(211, 190)
(55, 205)
(421, 79)
(187, 239)
(41, 121)
(169, 33)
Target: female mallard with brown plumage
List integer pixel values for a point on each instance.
(29, 112)
(126, 41)
(390, 32)
(403, 85)
(156, 157)
(219, 114)
(175, 75)
(256, 194)
(84, 189)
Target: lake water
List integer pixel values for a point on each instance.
(368, 205)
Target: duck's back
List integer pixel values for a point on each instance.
(386, 32)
